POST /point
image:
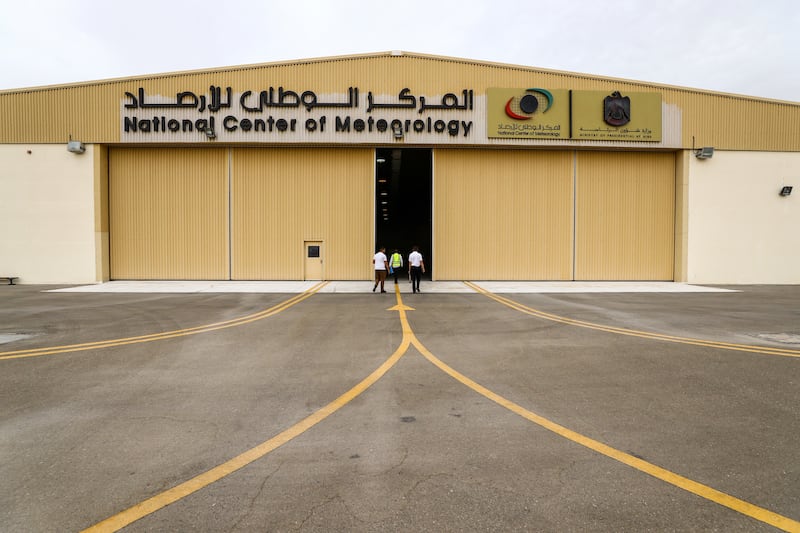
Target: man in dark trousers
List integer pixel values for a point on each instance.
(395, 264)
(416, 268)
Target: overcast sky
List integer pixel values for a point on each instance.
(749, 47)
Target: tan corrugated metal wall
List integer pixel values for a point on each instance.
(625, 216)
(283, 197)
(168, 213)
(508, 215)
(503, 214)
(91, 111)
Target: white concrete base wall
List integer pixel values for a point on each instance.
(47, 226)
(740, 230)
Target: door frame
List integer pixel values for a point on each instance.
(306, 246)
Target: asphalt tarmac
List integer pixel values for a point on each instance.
(326, 407)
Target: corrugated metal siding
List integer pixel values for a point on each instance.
(90, 112)
(283, 197)
(503, 215)
(625, 216)
(729, 123)
(168, 213)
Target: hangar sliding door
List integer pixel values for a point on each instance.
(168, 213)
(503, 214)
(624, 216)
(285, 197)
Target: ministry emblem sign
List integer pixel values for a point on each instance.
(603, 116)
(616, 109)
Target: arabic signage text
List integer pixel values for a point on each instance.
(188, 116)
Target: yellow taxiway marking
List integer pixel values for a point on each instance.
(36, 352)
(663, 474)
(161, 500)
(786, 352)
(178, 492)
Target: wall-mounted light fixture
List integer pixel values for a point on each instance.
(786, 190)
(75, 147)
(706, 152)
(397, 129)
(380, 160)
(210, 133)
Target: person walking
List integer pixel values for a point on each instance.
(416, 267)
(395, 264)
(381, 267)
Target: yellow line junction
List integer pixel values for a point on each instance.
(409, 340)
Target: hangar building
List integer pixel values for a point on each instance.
(298, 170)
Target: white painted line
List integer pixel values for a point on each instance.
(360, 287)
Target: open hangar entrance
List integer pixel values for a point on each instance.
(403, 202)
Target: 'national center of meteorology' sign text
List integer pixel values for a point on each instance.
(279, 114)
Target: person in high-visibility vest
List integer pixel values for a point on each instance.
(396, 263)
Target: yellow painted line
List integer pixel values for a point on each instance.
(167, 497)
(785, 352)
(36, 352)
(159, 501)
(704, 491)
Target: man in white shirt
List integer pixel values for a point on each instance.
(381, 268)
(416, 267)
